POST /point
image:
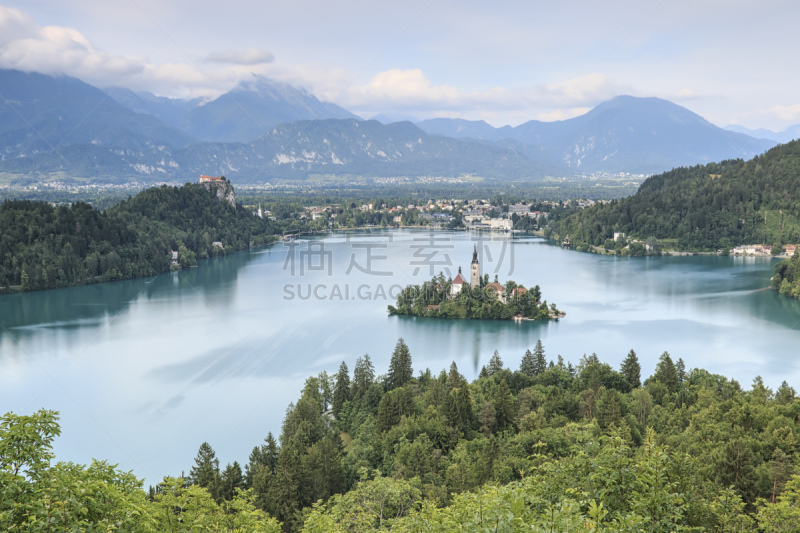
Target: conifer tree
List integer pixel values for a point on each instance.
(206, 467)
(541, 361)
(400, 371)
(261, 474)
(528, 364)
(271, 453)
(232, 480)
(631, 370)
(495, 364)
(503, 406)
(458, 401)
(680, 368)
(205, 472)
(341, 392)
(262, 465)
(666, 373)
(363, 377)
(256, 461)
(453, 378)
(387, 413)
(785, 394)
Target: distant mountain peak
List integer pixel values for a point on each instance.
(268, 87)
(624, 134)
(254, 107)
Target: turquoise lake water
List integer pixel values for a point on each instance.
(144, 371)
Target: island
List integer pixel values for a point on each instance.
(477, 299)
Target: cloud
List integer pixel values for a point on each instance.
(53, 49)
(251, 56)
(786, 113)
(411, 91)
(25, 45)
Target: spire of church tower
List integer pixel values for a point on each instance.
(475, 270)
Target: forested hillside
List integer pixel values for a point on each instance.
(43, 246)
(787, 276)
(705, 207)
(546, 447)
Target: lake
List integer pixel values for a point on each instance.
(143, 371)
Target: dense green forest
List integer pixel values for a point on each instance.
(787, 276)
(545, 447)
(705, 207)
(432, 299)
(43, 246)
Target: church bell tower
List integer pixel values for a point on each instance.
(475, 270)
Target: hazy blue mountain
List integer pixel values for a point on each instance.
(459, 127)
(169, 110)
(626, 134)
(253, 108)
(298, 149)
(789, 134)
(96, 136)
(389, 118)
(401, 148)
(43, 112)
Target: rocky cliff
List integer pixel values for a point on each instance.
(223, 190)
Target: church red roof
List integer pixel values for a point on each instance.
(459, 280)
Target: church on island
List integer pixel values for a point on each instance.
(475, 280)
(491, 301)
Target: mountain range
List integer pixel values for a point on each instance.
(263, 130)
(789, 134)
(46, 113)
(243, 114)
(625, 134)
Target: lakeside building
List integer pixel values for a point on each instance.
(490, 224)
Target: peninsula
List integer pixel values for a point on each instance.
(456, 298)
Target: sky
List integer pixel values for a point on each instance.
(506, 62)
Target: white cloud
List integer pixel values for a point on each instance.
(786, 113)
(251, 56)
(401, 89)
(52, 49)
(588, 90)
(411, 91)
(24, 45)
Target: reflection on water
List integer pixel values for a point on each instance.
(24, 314)
(473, 337)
